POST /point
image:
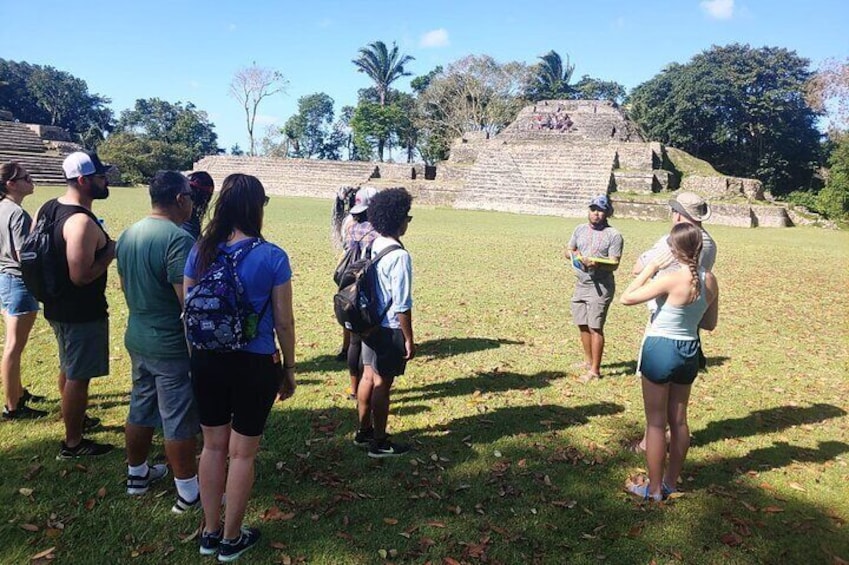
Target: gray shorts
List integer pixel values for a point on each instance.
(591, 301)
(83, 348)
(162, 396)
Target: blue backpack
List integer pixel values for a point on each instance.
(217, 314)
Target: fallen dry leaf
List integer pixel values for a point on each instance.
(390, 521)
(101, 492)
(274, 513)
(797, 486)
(25, 491)
(44, 554)
(29, 527)
(773, 509)
(277, 545)
(89, 504)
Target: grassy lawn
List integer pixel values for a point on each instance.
(515, 461)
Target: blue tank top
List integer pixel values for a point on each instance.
(679, 322)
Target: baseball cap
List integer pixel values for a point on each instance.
(362, 199)
(691, 206)
(601, 201)
(82, 164)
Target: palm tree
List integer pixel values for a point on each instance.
(382, 65)
(552, 79)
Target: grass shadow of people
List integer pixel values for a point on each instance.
(481, 382)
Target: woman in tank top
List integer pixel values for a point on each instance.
(688, 299)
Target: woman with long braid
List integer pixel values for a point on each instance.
(687, 299)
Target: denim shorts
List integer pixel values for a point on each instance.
(162, 396)
(15, 297)
(83, 348)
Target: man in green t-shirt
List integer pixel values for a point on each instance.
(151, 256)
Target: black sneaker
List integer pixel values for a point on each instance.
(90, 423)
(27, 396)
(139, 485)
(230, 550)
(85, 448)
(209, 541)
(385, 448)
(342, 355)
(23, 412)
(364, 437)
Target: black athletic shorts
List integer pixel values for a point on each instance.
(384, 351)
(237, 388)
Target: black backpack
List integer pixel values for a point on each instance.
(355, 305)
(350, 256)
(38, 258)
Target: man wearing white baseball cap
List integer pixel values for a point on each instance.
(79, 314)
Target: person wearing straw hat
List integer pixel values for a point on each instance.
(689, 208)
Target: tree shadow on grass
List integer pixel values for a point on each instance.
(630, 367)
(765, 421)
(450, 346)
(480, 382)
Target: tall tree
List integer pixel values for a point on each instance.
(155, 134)
(740, 108)
(550, 78)
(589, 88)
(475, 93)
(384, 66)
(311, 131)
(44, 95)
(250, 86)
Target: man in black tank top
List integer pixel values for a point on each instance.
(78, 315)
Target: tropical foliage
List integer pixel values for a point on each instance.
(382, 65)
(743, 109)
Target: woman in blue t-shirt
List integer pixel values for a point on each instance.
(235, 389)
(687, 299)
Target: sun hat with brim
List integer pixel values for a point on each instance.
(363, 199)
(691, 206)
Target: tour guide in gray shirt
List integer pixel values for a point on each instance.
(595, 285)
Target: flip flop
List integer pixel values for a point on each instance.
(635, 447)
(588, 376)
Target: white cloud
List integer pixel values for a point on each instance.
(435, 38)
(718, 9)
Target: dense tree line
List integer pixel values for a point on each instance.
(751, 112)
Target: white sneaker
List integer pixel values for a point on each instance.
(183, 505)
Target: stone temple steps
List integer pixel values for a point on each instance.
(537, 178)
(292, 177)
(21, 144)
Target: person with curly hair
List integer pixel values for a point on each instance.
(387, 349)
(687, 299)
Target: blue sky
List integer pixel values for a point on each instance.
(186, 50)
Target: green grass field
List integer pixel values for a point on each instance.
(515, 461)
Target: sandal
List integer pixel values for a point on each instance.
(635, 447)
(588, 376)
(640, 488)
(666, 490)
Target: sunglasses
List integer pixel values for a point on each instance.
(266, 201)
(409, 218)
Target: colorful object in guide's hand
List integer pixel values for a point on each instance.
(577, 263)
(602, 260)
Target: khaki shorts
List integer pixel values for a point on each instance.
(590, 303)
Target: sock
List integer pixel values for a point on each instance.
(138, 470)
(188, 488)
